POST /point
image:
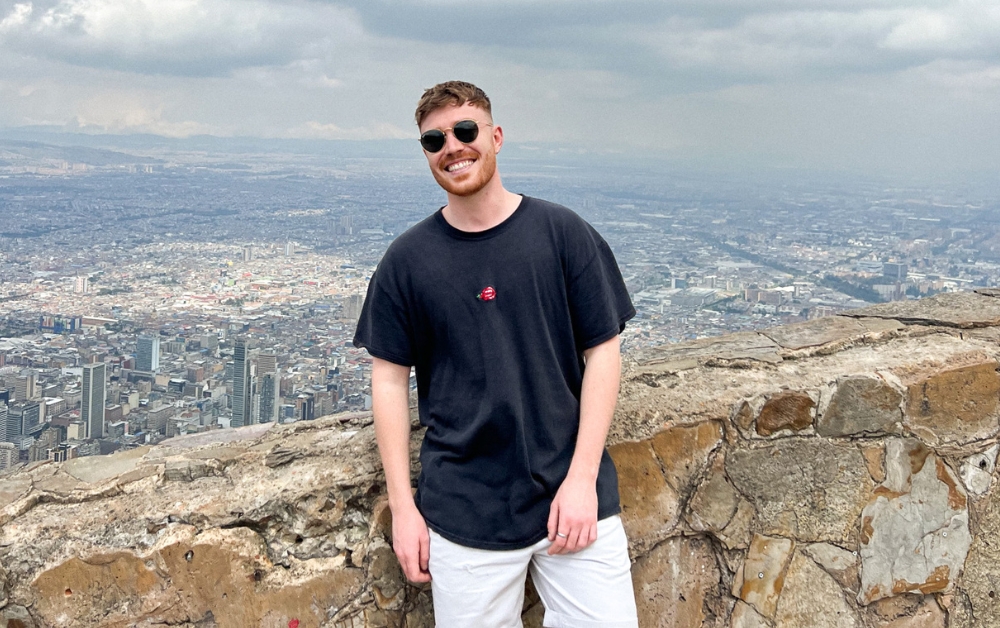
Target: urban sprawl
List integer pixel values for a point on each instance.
(157, 291)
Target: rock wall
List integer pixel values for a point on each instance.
(836, 473)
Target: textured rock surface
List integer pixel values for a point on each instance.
(862, 405)
(915, 532)
(790, 411)
(839, 472)
(955, 404)
(811, 489)
(761, 579)
(812, 598)
(676, 583)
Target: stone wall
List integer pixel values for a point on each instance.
(835, 473)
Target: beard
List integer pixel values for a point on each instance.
(481, 174)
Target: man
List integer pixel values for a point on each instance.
(509, 308)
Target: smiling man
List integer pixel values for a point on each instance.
(509, 308)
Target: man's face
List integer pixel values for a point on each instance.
(463, 169)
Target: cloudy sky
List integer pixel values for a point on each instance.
(910, 85)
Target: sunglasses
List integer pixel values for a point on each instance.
(465, 131)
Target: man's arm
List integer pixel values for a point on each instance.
(391, 407)
(574, 509)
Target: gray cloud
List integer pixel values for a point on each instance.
(210, 37)
(884, 82)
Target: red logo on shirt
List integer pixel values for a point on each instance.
(488, 294)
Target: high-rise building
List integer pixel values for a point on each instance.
(248, 252)
(241, 384)
(210, 342)
(92, 403)
(270, 397)
(24, 386)
(894, 270)
(4, 414)
(267, 363)
(352, 307)
(32, 416)
(8, 455)
(147, 354)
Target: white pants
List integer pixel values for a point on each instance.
(475, 588)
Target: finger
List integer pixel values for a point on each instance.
(574, 542)
(553, 524)
(412, 567)
(587, 537)
(559, 544)
(424, 553)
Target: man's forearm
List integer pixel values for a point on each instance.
(390, 405)
(598, 396)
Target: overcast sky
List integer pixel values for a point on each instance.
(872, 84)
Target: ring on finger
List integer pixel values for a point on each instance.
(560, 535)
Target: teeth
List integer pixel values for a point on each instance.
(459, 165)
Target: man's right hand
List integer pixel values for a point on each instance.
(412, 543)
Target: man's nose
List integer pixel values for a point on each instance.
(451, 142)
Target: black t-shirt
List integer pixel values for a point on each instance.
(495, 323)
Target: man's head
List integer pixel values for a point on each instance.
(452, 93)
(463, 164)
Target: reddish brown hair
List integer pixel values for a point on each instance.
(455, 93)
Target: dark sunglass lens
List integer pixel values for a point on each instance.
(466, 131)
(432, 140)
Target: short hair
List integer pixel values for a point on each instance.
(455, 93)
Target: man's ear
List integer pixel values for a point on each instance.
(497, 138)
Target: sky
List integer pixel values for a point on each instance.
(908, 86)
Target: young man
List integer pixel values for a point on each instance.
(509, 308)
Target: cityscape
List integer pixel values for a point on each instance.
(153, 288)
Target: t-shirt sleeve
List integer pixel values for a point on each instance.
(598, 299)
(384, 327)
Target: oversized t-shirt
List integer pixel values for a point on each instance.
(495, 323)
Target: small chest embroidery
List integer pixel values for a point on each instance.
(488, 294)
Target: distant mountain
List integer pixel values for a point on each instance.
(11, 150)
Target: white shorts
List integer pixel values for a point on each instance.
(475, 588)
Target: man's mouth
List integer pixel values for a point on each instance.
(459, 165)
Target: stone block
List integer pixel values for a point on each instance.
(958, 405)
(874, 454)
(650, 506)
(762, 578)
(805, 488)
(736, 535)
(915, 531)
(792, 411)
(977, 470)
(672, 583)
(862, 405)
(684, 450)
(812, 599)
(979, 578)
(743, 416)
(714, 503)
(744, 616)
(842, 565)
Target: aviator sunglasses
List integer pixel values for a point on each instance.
(465, 131)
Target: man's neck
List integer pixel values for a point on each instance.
(483, 210)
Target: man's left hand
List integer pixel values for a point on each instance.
(573, 516)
